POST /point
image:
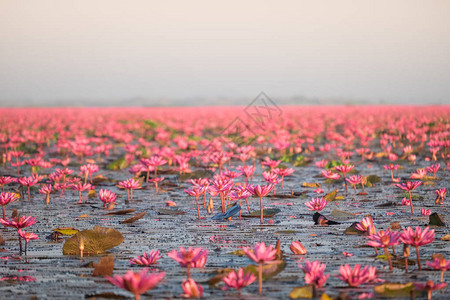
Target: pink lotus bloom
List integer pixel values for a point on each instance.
(354, 277)
(238, 280)
(261, 254)
(283, 172)
(197, 191)
(4, 180)
(406, 201)
(146, 259)
(5, 199)
(321, 163)
(314, 273)
(107, 197)
(260, 191)
(354, 180)
(344, 169)
(297, 248)
(347, 254)
(330, 176)
(417, 238)
(27, 236)
(190, 258)
(420, 173)
(409, 186)
(191, 289)
(270, 163)
(247, 171)
(170, 203)
(440, 195)
(317, 204)
(425, 212)
(366, 225)
(129, 185)
(433, 168)
(18, 223)
(270, 177)
(439, 264)
(429, 287)
(87, 170)
(385, 239)
(28, 182)
(137, 283)
(81, 187)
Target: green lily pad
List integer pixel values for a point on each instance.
(119, 164)
(331, 196)
(96, 241)
(305, 292)
(436, 220)
(269, 270)
(372, 179)
(340, 214)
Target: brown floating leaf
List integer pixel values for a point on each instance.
(305, 292)
(121, 212)
(134, 218)
(2, 241)
(331, 196)
(267, 213)
(396, 290)
(14, 213)
(446, 237)
(92, 194)
(311, 184)
(395, 225)
(96, 241)
(105, 267)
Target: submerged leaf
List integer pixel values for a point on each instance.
(170, 211)
(302, 292)
(337, 213)
(121, 212)
(96, 241)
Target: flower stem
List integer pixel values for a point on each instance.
(198, 209)
(388, 257)
(418, 257)
(410, 202)
(260, 278)
(261, 208)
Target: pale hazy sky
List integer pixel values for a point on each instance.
(391, 50)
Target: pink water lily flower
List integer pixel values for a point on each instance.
(146, 259)
(261, 254)
(297, 248)
(439, 263)
(314, 273)
(417, 238)
(137, 283)
(107, 197)
(238, 280)
(429, 287)
(5, 199)
(357, 276)
(260, 191)
(317, 204)
(409, 186)
(190, 258)
(191, 289)
(27, 236)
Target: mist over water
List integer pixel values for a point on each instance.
(149, 53)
